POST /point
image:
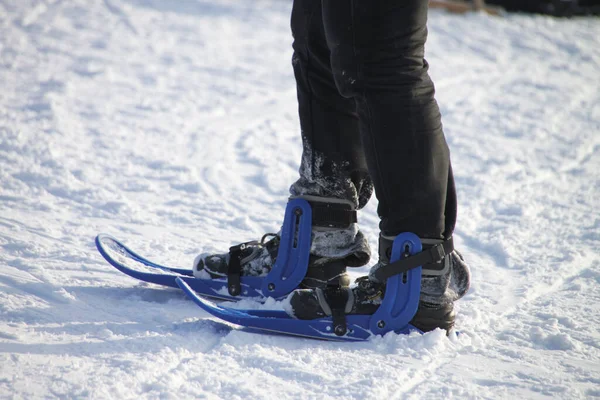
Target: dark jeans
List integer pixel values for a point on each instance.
(368, 114)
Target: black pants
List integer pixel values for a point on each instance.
(368, 114)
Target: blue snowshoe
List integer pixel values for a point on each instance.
(397, 309)
(130, 263)
(230, 281)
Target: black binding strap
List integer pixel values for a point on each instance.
(332, 215)
(429, 256)
(337, 298)
(234, 269)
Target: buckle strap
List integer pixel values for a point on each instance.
(430, 257)
(237, 258)
(234, 269)
(332, 215)
(336, 302)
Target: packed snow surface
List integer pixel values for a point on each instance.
(172, 126)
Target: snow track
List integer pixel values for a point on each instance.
(172, 125)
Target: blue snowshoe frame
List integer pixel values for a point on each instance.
(292, 260)
(286, 275)
(397, 309)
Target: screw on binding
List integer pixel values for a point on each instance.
(340, 330)
(271, 287)
(233, 290)
(298, 211)
(381, 324)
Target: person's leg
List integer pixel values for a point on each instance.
(377, 51)
(333, 170)
(378, 59)
(333, 164)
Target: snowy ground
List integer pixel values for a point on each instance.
(172, 125)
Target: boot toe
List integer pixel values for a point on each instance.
(215, 265)
(304, 304)
(433, 316)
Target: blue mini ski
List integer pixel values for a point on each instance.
(285, 276)
(393, 315)
(130, 263)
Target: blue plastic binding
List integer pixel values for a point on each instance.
(292, 258)
(402, 291)
(394, 314)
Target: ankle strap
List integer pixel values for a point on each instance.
(332, 215)
(430, 257)
(330, 212)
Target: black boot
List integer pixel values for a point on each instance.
(438, 292)
(258, 257)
